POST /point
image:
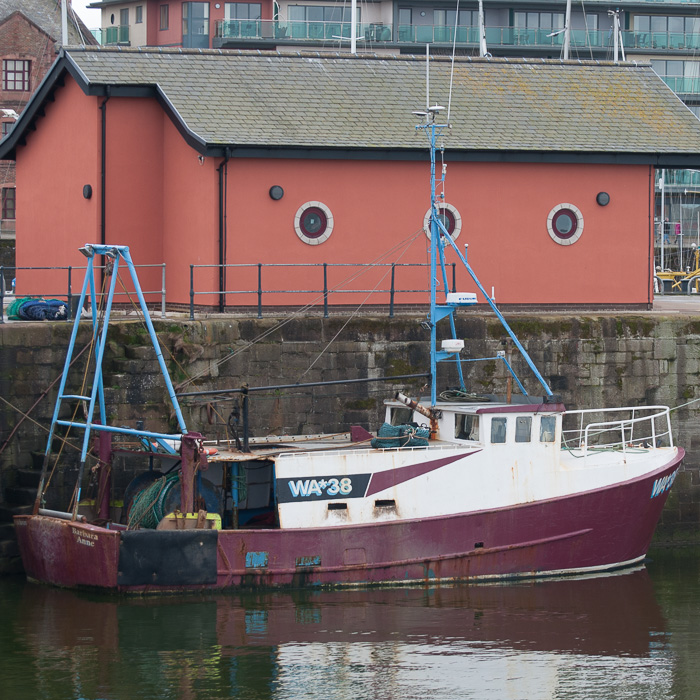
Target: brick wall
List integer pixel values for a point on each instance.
(20, 40)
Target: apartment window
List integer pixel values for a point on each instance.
(538, 20)
(139, 14)
(15, 74)
(164, 17)
(6, 127)
(243, 10)
(124, 17)
(8, 202)
(680, 76)
(664, 23)
(446, 18)
(322, 13)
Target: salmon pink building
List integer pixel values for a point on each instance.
(298, 173)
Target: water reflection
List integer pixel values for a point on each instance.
(603, 637)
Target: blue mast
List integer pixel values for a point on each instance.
(439, 236)
(95, 398)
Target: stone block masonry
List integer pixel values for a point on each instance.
(606, 360)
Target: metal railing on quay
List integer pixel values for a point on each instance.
(323, 292)
(68, 294)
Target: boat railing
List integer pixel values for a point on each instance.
(617, 429)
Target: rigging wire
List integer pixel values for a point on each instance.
(452, 68)
(355, 312)
(299, 312)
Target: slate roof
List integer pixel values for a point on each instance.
(46, 14)
(529, 109)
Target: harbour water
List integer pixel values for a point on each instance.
(630, 635)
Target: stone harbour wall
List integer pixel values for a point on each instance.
(590, 361)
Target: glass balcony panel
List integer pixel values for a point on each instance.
(406, 32)
(299, 30)
(442, 34)
(676, 41)
(250, 28)
(315, 30)
(659, 40)
(424, 33)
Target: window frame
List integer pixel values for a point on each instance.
(23, 76)
(498, 422)
(9, 203)
(523, 435)
(544, 431)
(164, 18)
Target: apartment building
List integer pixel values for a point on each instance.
(663, 32)
(30, 36)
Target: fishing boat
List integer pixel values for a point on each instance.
(453, 487)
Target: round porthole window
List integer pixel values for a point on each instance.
(565, 224)
(451, 220)
(313, 223)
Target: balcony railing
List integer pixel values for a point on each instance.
(681, 85)
(438, 34)
(682, 178)
(116, 35)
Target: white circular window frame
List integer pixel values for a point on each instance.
(329, 223)
(579, 224)
(457, 217)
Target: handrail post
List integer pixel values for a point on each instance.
(69, 314)
(191, 292)
(162, 292)
(259, 290)
(2, 294)
(325, 290)
(454, 277)
(391, 292)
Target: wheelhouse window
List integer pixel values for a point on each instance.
(401, 415)
(498, 430)
(467, 427)
(8, 202)
(164, 17)
(16, 74)
(548, 427)
(523, 428)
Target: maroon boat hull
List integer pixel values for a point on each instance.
(595, 530)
